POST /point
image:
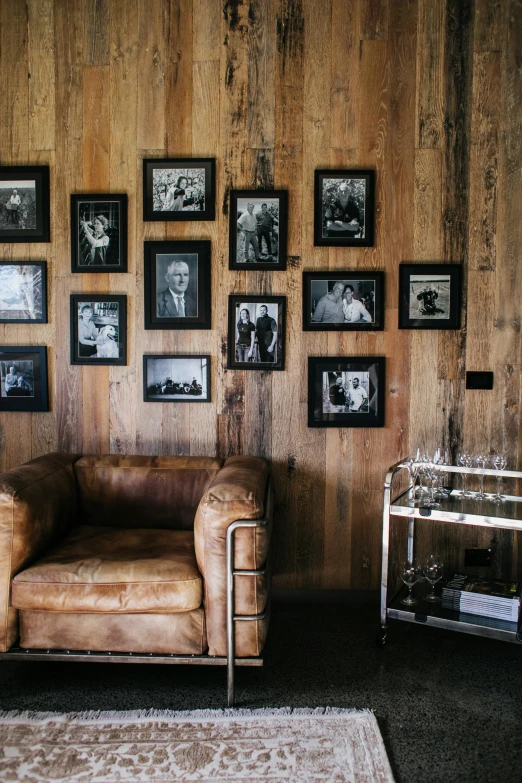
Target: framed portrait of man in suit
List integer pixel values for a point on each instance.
(177, 284)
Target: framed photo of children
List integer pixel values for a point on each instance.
(430, 296)
(344, 208)
(23, 374)
(99, 233)
(24, 204)
(343, 301)
(176, 378)
(258, 229)
(179, 189)
(256, 332)
(23, 292)
(177, 284)
(346, 391)
(98, 329)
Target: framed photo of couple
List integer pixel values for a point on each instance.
(177, 284)
(343, 301)
(256, 332)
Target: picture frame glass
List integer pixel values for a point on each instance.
(258, 238)
(346, 392)
(23, 378)
(344, 207)
(18, 378)
(98, 329)
(177, 378)
(176, 285)
(344, 300)
(256, 332)
(98, 234)
(23, 295)
(24, 204)
(179, 189)
(429, 296)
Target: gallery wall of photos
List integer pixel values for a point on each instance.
(226, 238)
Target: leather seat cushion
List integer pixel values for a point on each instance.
(101, 569)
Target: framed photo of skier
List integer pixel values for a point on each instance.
(429, 296)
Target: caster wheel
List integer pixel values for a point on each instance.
(381, 637)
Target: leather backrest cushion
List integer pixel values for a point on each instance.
(143, 492)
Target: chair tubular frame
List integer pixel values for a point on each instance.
(229, 660)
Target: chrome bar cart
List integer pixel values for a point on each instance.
(457, 509)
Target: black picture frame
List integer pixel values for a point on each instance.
(29, 219)
(368, 291)
(430, 296)
(268, 238)
(331, 227)
(166, 378)
(109, 319)
(166, 199)
(25, 389)
(23, 292)
(276, 311)
(191, 256)
(105, 213)
(330, 408)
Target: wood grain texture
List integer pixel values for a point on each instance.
(426, 93)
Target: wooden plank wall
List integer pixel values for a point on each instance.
(426, 92)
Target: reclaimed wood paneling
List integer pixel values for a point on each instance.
(426, 93)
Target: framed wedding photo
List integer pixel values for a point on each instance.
(99, 233)
(23, 292)
(24, 204)
(256, 332)
(344, 208)
(343, 301)
(258, 229)
(23, 372)
(346, 391)
(179, 189)
(176, 378)
(98, 329)
(430, 296)
(177, 284)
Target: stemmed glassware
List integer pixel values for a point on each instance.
(431, 473)
(411, 573)
(481, 461)
(433, 571)
(465, 461)
(500, 463)
(413, 470)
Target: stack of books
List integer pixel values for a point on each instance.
(489, 598)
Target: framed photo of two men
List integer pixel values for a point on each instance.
(258, 229)
(256, 332)
(346, 391)
(344, 207)
(343, 301)
(177, 284)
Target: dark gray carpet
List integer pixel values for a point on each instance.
(449, 705)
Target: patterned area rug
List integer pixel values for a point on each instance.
(258, 746)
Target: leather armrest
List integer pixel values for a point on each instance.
(237, 492)
(38, 503)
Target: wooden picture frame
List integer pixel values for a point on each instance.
(23, 292)
(179, 189)
(24, 204)
(344, 207)
(99, 232)
(98, 329)
(346, 391)
(343, 301)
(176, 378)
(23, 374)
(430, 296)
(261, 245)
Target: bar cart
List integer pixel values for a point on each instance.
(506, 515)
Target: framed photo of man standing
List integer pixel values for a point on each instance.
(256, 332)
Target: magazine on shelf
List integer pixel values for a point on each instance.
(488, 597)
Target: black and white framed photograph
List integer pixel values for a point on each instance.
(430, 296)
(23, 372)
(179, 189)
(177, 284)
(258, 229)
(256, 332)
(24, 204)
(98, 329)
(346, 391)
(99, 233)
(344, 207)
(23, 292)
(343, 301)
(176, 378)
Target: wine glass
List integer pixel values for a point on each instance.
(465, 461)
(411, 573)
(431, 473)
(433, 571)
(481, 461)
(413, 470)
(500, 463)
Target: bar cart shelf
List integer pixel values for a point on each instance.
(506, 515)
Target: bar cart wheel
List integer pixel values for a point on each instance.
(382, 635)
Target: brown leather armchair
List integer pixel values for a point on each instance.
(135, 558)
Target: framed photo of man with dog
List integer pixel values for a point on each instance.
(24, 204)
(430, 296)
